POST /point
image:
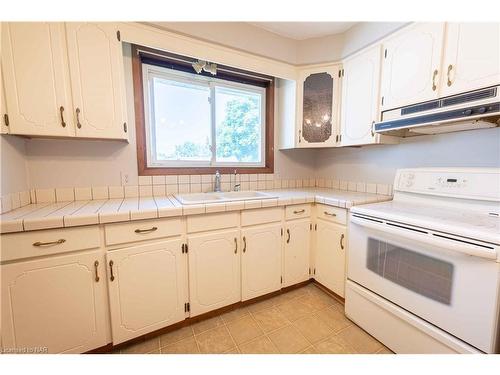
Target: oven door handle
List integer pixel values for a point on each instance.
(427, 237)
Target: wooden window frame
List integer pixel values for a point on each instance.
(142, 54)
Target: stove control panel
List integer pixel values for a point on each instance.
(470, 183)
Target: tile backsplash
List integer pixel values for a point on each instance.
(152, 186)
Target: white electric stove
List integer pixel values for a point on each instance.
(424, 268)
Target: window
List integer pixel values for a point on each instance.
(194, 123)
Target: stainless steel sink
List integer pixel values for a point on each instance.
(202, 198)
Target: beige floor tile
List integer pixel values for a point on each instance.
(258, 306)
(315, 302)
(288, 340)
(334, 318)
(270, 319)
(232, 351)
(142, 347)
(217, 340)
(244, 329)
(313, 328)
(294, 309)
(157, 351)
(207, 324)
(309, 350)
(174, 336)
(299, 292)
(385, 350)
(261, 345)
(235, 314)
(332, 346)
(358, 339)
(185, 346)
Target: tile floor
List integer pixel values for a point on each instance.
(304, 320)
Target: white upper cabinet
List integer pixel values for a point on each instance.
(318, 100)
(97, 80)
(472, 57)
(147, 288)
(261, 260)
(214, 270)
(37, 79)
(411, 66)
(360, 97)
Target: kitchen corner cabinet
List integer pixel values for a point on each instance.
(214, 270)
(58, 303)
(64, 80)
(296, 251)
(411, 65)
(331, 246)
(472, 57)
(147, 288)
(318, 100)
(261, 260)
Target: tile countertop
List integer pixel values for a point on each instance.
(88, 212)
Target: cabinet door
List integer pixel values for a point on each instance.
(37, 79)
(296, 257)
(148, 288)
(318, 107)
(4, 129)
(260, 260)
(214, 270)
(472, 57)
(360, 97)
(97, 79)
(56, 303)
(330, 256)
(411, 65)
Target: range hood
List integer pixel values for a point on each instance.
(472, 110)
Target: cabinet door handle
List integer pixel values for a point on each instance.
(244, 244)
(288, 236)
(329, 213)
(235, 245)
(450, 68)
(300, 135)
(58, 242)
(96, 265)
(78, 124)
(146, 230)
(371, 129)
(342, 241)
(61, 111)
(434, 75)
(112, 277)
(299, 212)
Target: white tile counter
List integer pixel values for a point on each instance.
(87, 212)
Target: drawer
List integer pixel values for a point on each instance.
(297, 211)
(261, 216)
(202, 223)
(48, 242)
(333, 214)
(142, 230)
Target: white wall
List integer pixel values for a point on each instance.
(14, 176)
(67, 163)
(378, 164)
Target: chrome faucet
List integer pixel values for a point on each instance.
(217, 182)
(236, 187)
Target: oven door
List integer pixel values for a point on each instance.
(450, 282)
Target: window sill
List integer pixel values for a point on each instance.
(160, 171)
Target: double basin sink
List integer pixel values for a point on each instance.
(221, 197)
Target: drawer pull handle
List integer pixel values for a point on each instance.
(434, 75)
(235, 245)
(78, 124)
(244, 244)
(58, 242)
(450, 68)
(96, 265)
(146, 230)
(112, 277)
(288, 236)
(329, 214)
(342, 241)
(61, 111)
(299, 212)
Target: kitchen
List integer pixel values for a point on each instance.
(165, 190)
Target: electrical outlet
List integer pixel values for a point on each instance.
(124, 178)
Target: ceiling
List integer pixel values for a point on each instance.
(304, 30)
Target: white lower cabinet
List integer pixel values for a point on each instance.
(214, 270)
(330, 251)
(58, 303)
(261, 260)
(296, 251)
(147, 288)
